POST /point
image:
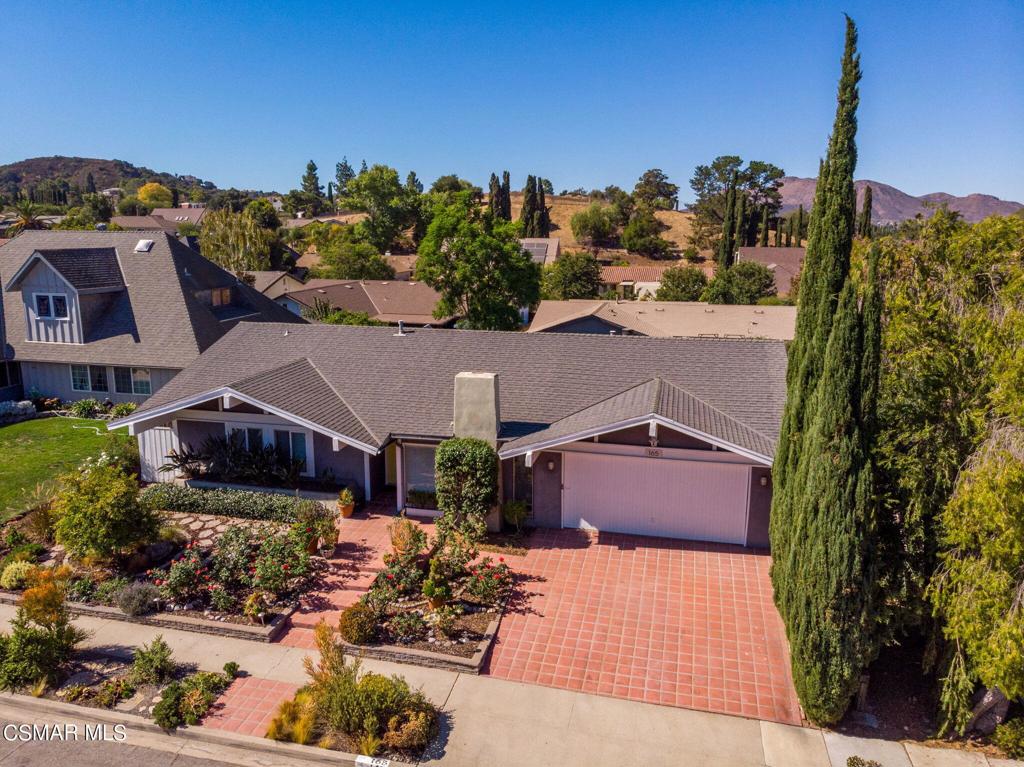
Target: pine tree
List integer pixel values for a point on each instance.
(864, 224)
(343, 173)
(725, 244)
(506, 196)
(362, 167)
(763, 242)
(528, 215)
(311, 181)
(819, 534)
(494, 203)
(413, 185)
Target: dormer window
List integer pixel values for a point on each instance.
(221, 296)
(53, 306)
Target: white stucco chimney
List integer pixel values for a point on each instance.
(477, 412)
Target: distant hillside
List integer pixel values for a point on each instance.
(76, 170)
(889, 205)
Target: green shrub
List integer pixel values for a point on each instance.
(860, 761)
(295, 720)
(315, 521)
(489, 582)
(233, 554)
(231, 669)
(26, 552)
(1009, 736)
(137, 598)
(358, 624)
(99, 513)
(106, 593)
(407, 627)
(13, 537)
(123, 409)
(186, 702)
(81, 589)
(35, 651)
(222, 600)
(467, 486)
(186, 577)
(280, 559)
(243, 504)
(15, 576)
(410, 730)
(153, 662)
(114, 690)
(167, 712)
(86, 408)
(515, 513)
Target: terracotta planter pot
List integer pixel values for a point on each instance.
(436, 602)
(347, 510)
(313, 546)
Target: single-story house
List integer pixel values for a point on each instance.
(115, 315)
(640, 281)
(543, 250)
(192, 212)
(652, 436)
(784, 263)
(389, 301)
(404, 265)
(665, 319)
(274, 283)
(146, 224)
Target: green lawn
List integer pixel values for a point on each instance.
(38, 451)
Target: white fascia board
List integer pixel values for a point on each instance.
(649, 420)
(228, 392)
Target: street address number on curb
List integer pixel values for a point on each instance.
(372, 761)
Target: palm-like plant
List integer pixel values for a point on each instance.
(28, 216)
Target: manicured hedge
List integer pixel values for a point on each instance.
(244, 504)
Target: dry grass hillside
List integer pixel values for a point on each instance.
(679, 225)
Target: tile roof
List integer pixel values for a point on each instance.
(671, 318)
(785, 263)
(86, 268)
(655, 397)
(156, 321)
(384, 300)
(404, 386)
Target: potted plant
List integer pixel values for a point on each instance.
(346, 502)
(436, 588)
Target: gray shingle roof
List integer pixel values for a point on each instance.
(86, 268)
(404, 386)
(157, 321)
(655, 397)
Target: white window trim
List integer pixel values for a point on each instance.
(50, 296)
(268, 430)
(88, 368)
(131, 378)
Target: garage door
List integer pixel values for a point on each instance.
(696, 500)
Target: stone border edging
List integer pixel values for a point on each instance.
(414, 657)
(267, 633)
(198, 733)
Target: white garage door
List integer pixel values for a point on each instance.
(696, 500)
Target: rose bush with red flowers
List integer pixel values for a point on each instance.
(489, 582)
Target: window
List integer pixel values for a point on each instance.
(291, 444)
(89, 378)
(52, 306)
(419, 467)
(221, 296)
(251, 436)
(132, 381)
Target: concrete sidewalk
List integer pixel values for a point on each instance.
(496, 722)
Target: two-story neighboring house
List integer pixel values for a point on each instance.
(115, 315)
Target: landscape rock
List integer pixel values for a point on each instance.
(989, 710)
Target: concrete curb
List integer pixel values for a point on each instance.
(267, 633)
(201, 734)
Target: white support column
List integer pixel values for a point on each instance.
(529, 458)
(399, 478)
(366, 476)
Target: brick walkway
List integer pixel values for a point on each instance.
(248, 705)
(649, 619)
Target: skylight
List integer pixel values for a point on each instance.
(144, 246)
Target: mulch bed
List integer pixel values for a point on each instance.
(470, 628)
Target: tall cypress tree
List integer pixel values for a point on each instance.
(506, 196)
(819, 527)
(725, 245)
(739, 237)
(778, 233)
(864, 223)
(543, 227)
(494, 196)
(799, 226)
(528, 215)
(763, 242)
(330, 193)
(90, 183)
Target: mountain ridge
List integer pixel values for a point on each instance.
(890, 205)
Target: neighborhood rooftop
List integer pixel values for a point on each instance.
(370, 384)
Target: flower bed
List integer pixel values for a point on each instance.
(429, 600)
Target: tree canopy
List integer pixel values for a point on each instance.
(388, 205)
(655, 191)
(155, 195)
(477, 265)
(344, 255)
(760, 181)
(573, 275)
(681, 283)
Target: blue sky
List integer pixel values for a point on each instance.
(585, 94)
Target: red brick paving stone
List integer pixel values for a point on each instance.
(248, 705)
(662, 621)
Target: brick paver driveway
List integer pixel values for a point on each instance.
(662, 621)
